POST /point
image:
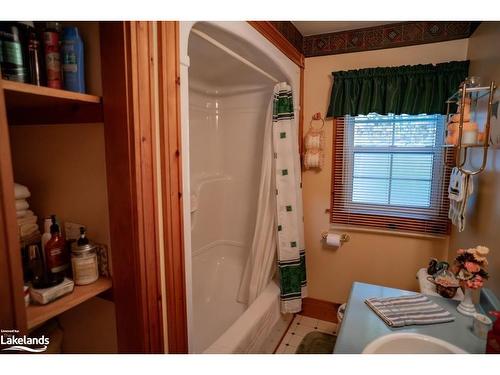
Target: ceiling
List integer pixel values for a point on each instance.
(322, 27)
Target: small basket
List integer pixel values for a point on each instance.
(442, 290)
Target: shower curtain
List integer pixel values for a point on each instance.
(279, 230)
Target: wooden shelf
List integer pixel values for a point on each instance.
(29, 104)
(38, 314)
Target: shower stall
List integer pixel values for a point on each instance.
(228, 72)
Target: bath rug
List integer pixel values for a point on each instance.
(317, 343)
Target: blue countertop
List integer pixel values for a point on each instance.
(361, 325)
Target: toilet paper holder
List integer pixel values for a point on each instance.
(344, 237)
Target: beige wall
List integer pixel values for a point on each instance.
(482, 224)
(373, 258)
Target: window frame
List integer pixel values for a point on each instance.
(422, 220)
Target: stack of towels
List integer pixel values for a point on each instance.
(29, 232)
(409, 310)
(459, 191)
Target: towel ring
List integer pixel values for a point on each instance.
(322, 124)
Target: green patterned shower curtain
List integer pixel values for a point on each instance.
(289, 218)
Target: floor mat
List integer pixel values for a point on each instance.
(317, 343)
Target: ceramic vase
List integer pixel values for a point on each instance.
(466, 307)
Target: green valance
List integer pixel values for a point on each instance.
(409, 89)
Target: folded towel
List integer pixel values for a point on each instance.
(24, 213)
(415, 309)
(28, 219)
(27, 229)
(21, 204)
(21, 191)
(33, 238)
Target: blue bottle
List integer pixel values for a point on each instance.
(72, 60)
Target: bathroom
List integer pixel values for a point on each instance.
(253, 187)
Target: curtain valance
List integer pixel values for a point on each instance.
(409, 89)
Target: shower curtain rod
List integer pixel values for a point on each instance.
(232, 53)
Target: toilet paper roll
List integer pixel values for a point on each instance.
(312, 160)
(333, 239)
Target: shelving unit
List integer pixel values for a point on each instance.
(459, 97)
(27, 104)
(38, 314)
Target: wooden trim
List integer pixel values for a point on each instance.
(269, 31)
(12, 313)
(129, 140)
(318, 309)
(301, 114)
(171, 166)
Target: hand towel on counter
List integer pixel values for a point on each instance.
(415, 309)
(21, 191)
(24, 213)
(28, 219)
(21, 204)
(27, 229)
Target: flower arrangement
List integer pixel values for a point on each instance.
(470, 266)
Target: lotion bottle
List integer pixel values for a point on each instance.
(55, 253)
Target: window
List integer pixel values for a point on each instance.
(389, 172)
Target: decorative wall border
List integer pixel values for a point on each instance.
(291, 33)
(387, 36)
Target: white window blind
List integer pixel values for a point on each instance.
(389, 172)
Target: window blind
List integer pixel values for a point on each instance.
(389, 172)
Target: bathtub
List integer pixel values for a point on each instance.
(258, 329)
(222, 324)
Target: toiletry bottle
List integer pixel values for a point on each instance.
(55, 253)
(52, 55)
(493, 340)
(46, 233)
(36, 69)
(13, 59)
(72, 60)
(36, 266)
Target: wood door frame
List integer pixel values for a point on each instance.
(129, 115)
(171, 169)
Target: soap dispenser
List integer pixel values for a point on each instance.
(493, 341)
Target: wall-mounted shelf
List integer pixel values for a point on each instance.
(29, 104)
(469, 96)
(38, 314)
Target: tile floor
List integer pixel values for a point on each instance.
(301, 326)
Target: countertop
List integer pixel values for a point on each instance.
(361, 325)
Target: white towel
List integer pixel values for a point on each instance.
(21, 191)
(28, 219)
(24, 213)
(21, 204)
(460, 189)
(27, 229)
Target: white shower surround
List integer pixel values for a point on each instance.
(228, 249)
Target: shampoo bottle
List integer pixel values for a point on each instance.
(493, 340)
(72, 60)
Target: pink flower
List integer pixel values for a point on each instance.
(460, 251)
(472, 267)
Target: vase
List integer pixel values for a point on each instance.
(466, 307)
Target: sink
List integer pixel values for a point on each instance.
(410, 343)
